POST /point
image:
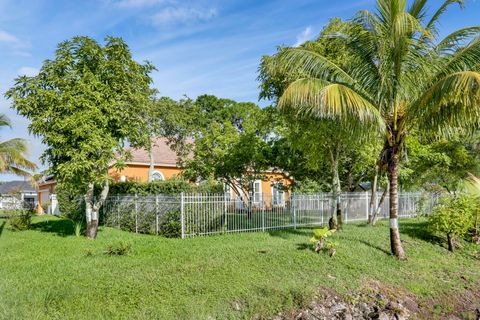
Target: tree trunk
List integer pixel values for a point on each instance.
(337, 189)
(373, 198)
(451, 247)
(395, 243)
(151, 169)
(92, 221)
(92, 209)
(379, 207)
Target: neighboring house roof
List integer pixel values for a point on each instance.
(16, 186)
(162, 154)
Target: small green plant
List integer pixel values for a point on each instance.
(20, 220)
(78, 228)
(89, 252)
(453, 218)
(321, 243)
(120, 248)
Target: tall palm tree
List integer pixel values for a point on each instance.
(12, 154)
(401, 77)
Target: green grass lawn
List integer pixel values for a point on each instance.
(49, 273)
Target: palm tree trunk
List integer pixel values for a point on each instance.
(373, 198)
(395, 243)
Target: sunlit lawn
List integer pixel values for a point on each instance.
(49, 273)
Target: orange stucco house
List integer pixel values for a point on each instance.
(166, 167)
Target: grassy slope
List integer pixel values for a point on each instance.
(45, 273)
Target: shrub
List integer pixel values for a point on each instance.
(171, 186)
(20, 220)
(170, 225)
(120, 248)
(453, 218)
(70, 202)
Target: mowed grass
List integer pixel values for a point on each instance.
(48, 273)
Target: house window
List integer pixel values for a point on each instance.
(257, 191)
(277, 195)
(157, 176)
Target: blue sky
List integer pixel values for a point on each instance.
(198, 46)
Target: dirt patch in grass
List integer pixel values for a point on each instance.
(375, 300)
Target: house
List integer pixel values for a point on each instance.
(165, 167)
(17, 195)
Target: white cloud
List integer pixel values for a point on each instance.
(138, 3)
(9, 38)
(171, 15)
(305, 35)
(16, 46)
(28, 71)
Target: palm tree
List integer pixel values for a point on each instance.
(12, 154)
(401, 77)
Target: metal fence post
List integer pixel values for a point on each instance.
(263, 213)
(294, 212)
(156, 214)
(118, 212)
(225, 211)
(136, 213)
(366, 205)
(182, 214)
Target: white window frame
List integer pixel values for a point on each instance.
(278, 195)
(257, 194)
(159, 173)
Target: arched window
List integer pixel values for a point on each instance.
(157, 176)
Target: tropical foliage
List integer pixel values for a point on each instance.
(13, 154)
(400, 76)
(85, 104)
(454, 217)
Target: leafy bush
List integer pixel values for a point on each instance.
(171, 186)
(20, 220)
(170, 225)
(70, 202)
(453, 218)
(120, 248)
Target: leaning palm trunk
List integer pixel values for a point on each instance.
(379, 207)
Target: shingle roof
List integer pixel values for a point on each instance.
(16, 186)
(162, 154)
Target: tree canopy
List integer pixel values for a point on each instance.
(85, 105)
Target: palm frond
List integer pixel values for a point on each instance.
(314, 65)
(12, 156)
(418, 9)
(465, 58)
(432, 24)
(325, 100)
(4, 121)
(453, 101)
(456, 39)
